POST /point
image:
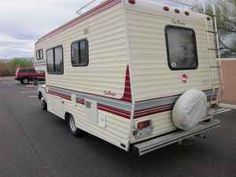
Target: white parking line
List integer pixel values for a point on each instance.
(33, 96)
(222, 110)
(26, 92)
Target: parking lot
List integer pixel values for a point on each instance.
(35, 143)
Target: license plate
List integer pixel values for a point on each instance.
(144, 133)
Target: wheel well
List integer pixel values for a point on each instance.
(67, 116)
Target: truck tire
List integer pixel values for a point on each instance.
(72, 127)
(25, 81)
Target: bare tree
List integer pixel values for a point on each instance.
(226, 21)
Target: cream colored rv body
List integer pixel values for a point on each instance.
(128, 79)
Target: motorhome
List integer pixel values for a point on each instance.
(136, 73)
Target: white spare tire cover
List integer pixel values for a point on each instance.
(189, 109)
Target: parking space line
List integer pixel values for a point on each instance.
(33, 96)
(222, 110)
(26, 92)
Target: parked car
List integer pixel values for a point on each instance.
(27, 74)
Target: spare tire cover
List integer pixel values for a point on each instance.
(189, 109)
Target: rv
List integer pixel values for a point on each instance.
(135, 73)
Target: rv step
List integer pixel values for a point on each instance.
(211, 15)
(217, 66)
(214, 102)
(215, 85)
(212, 49)
(162, 141)
(211, 32)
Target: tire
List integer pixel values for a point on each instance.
(43, 105)
(40, 96)
(36, 82)
(25, 81)
(72, 127)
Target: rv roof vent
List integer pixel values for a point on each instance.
(186, 13)
(166, 8)
(177, 11)
(132, 1)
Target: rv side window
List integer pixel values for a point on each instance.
(39, 54)
(181, 48)
(80, 53)
(55, 60)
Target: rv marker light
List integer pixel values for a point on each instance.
(184, 78)
(177, 11)
(186, 13)
(166, 8)
(132, 1)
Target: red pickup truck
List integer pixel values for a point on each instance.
(27, 74)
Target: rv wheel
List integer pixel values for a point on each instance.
(72, 127)
(43, 104)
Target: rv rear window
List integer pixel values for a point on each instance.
(55, 60)
(39, 54)
(181, 48)
(80, 53)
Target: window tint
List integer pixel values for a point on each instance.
(75, 54)
(39, 54)
(50, 61)
(55, 60)
(80, 53)
(181, 48)
(29, 70)
(58, 52)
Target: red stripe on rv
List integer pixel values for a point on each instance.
(60, 95)
(154, 110)
(127, 90)
(100, 8)
(116, 111)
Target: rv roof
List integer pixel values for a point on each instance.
(152, 4)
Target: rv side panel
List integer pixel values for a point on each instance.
(94, 94)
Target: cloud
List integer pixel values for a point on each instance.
(22, 22)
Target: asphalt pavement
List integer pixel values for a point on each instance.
(35, 143)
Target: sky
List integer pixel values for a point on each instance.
(22, 22)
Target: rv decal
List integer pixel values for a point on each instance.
(178, 22)
(109, 93)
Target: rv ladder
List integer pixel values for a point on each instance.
(212, 32)
(212, 64)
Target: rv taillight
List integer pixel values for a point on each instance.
(144, 124)
(166, 8)
(132, 1)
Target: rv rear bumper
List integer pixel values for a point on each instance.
(162, 141)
